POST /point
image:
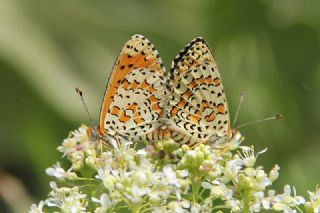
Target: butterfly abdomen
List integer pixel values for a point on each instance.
(161, 134)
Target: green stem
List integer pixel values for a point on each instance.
(246, 201)
(138, 207)
(146, 210)
(221, 207)
(196, 188)
(135, 208)
(299, 209)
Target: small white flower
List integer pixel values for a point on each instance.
(53, 185)
(104, 202)
(170, 175)
(271, 193)
(179, 206)
(183, 173)
(265, 203)
(234, 205)
(37, 208)
(142, 153)
(274, 173)
(261, 201)
(255, 207)
(286, 202)
(137, 191)
(262, 180)
(314, 204)
(206, 185)
(248, 156)
(60, 173)
(232, 169)
(66, 199)
(154, 197)
(192, 154)
(108, 177)
(220, 190)
(195, 208)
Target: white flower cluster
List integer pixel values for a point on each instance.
(165, 177)
(313, 206)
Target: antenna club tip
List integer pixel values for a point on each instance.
(78, 91)
(279, 116)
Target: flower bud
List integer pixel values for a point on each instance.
(274, 173)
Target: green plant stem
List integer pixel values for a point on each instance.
(246, 201)
(135, 208)
(196, 188)
(220, 207)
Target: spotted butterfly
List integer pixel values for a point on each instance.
(133, 102)
(144, 102)
(198, 105)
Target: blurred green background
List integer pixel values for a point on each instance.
(270, 49)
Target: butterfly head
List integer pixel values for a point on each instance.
(234, 137)
(93, 133)
(235, 134)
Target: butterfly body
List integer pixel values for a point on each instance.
(144, 102)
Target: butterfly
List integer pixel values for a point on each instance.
(144, 102)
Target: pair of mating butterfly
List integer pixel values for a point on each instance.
(144, 102)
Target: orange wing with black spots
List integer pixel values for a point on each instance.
(198, 106)
(133, 100)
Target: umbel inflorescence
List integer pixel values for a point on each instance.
(165, 177)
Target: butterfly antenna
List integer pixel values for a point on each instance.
(84, 105)
(261, 120)
(238, 109)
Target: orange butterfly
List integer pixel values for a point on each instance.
(143, 102)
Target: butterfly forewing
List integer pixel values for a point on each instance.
(198, 106)
(133, 100)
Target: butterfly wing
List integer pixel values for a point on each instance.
(133, 99)
(198, 106)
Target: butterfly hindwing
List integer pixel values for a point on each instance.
(133, 101)
(198, 105)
